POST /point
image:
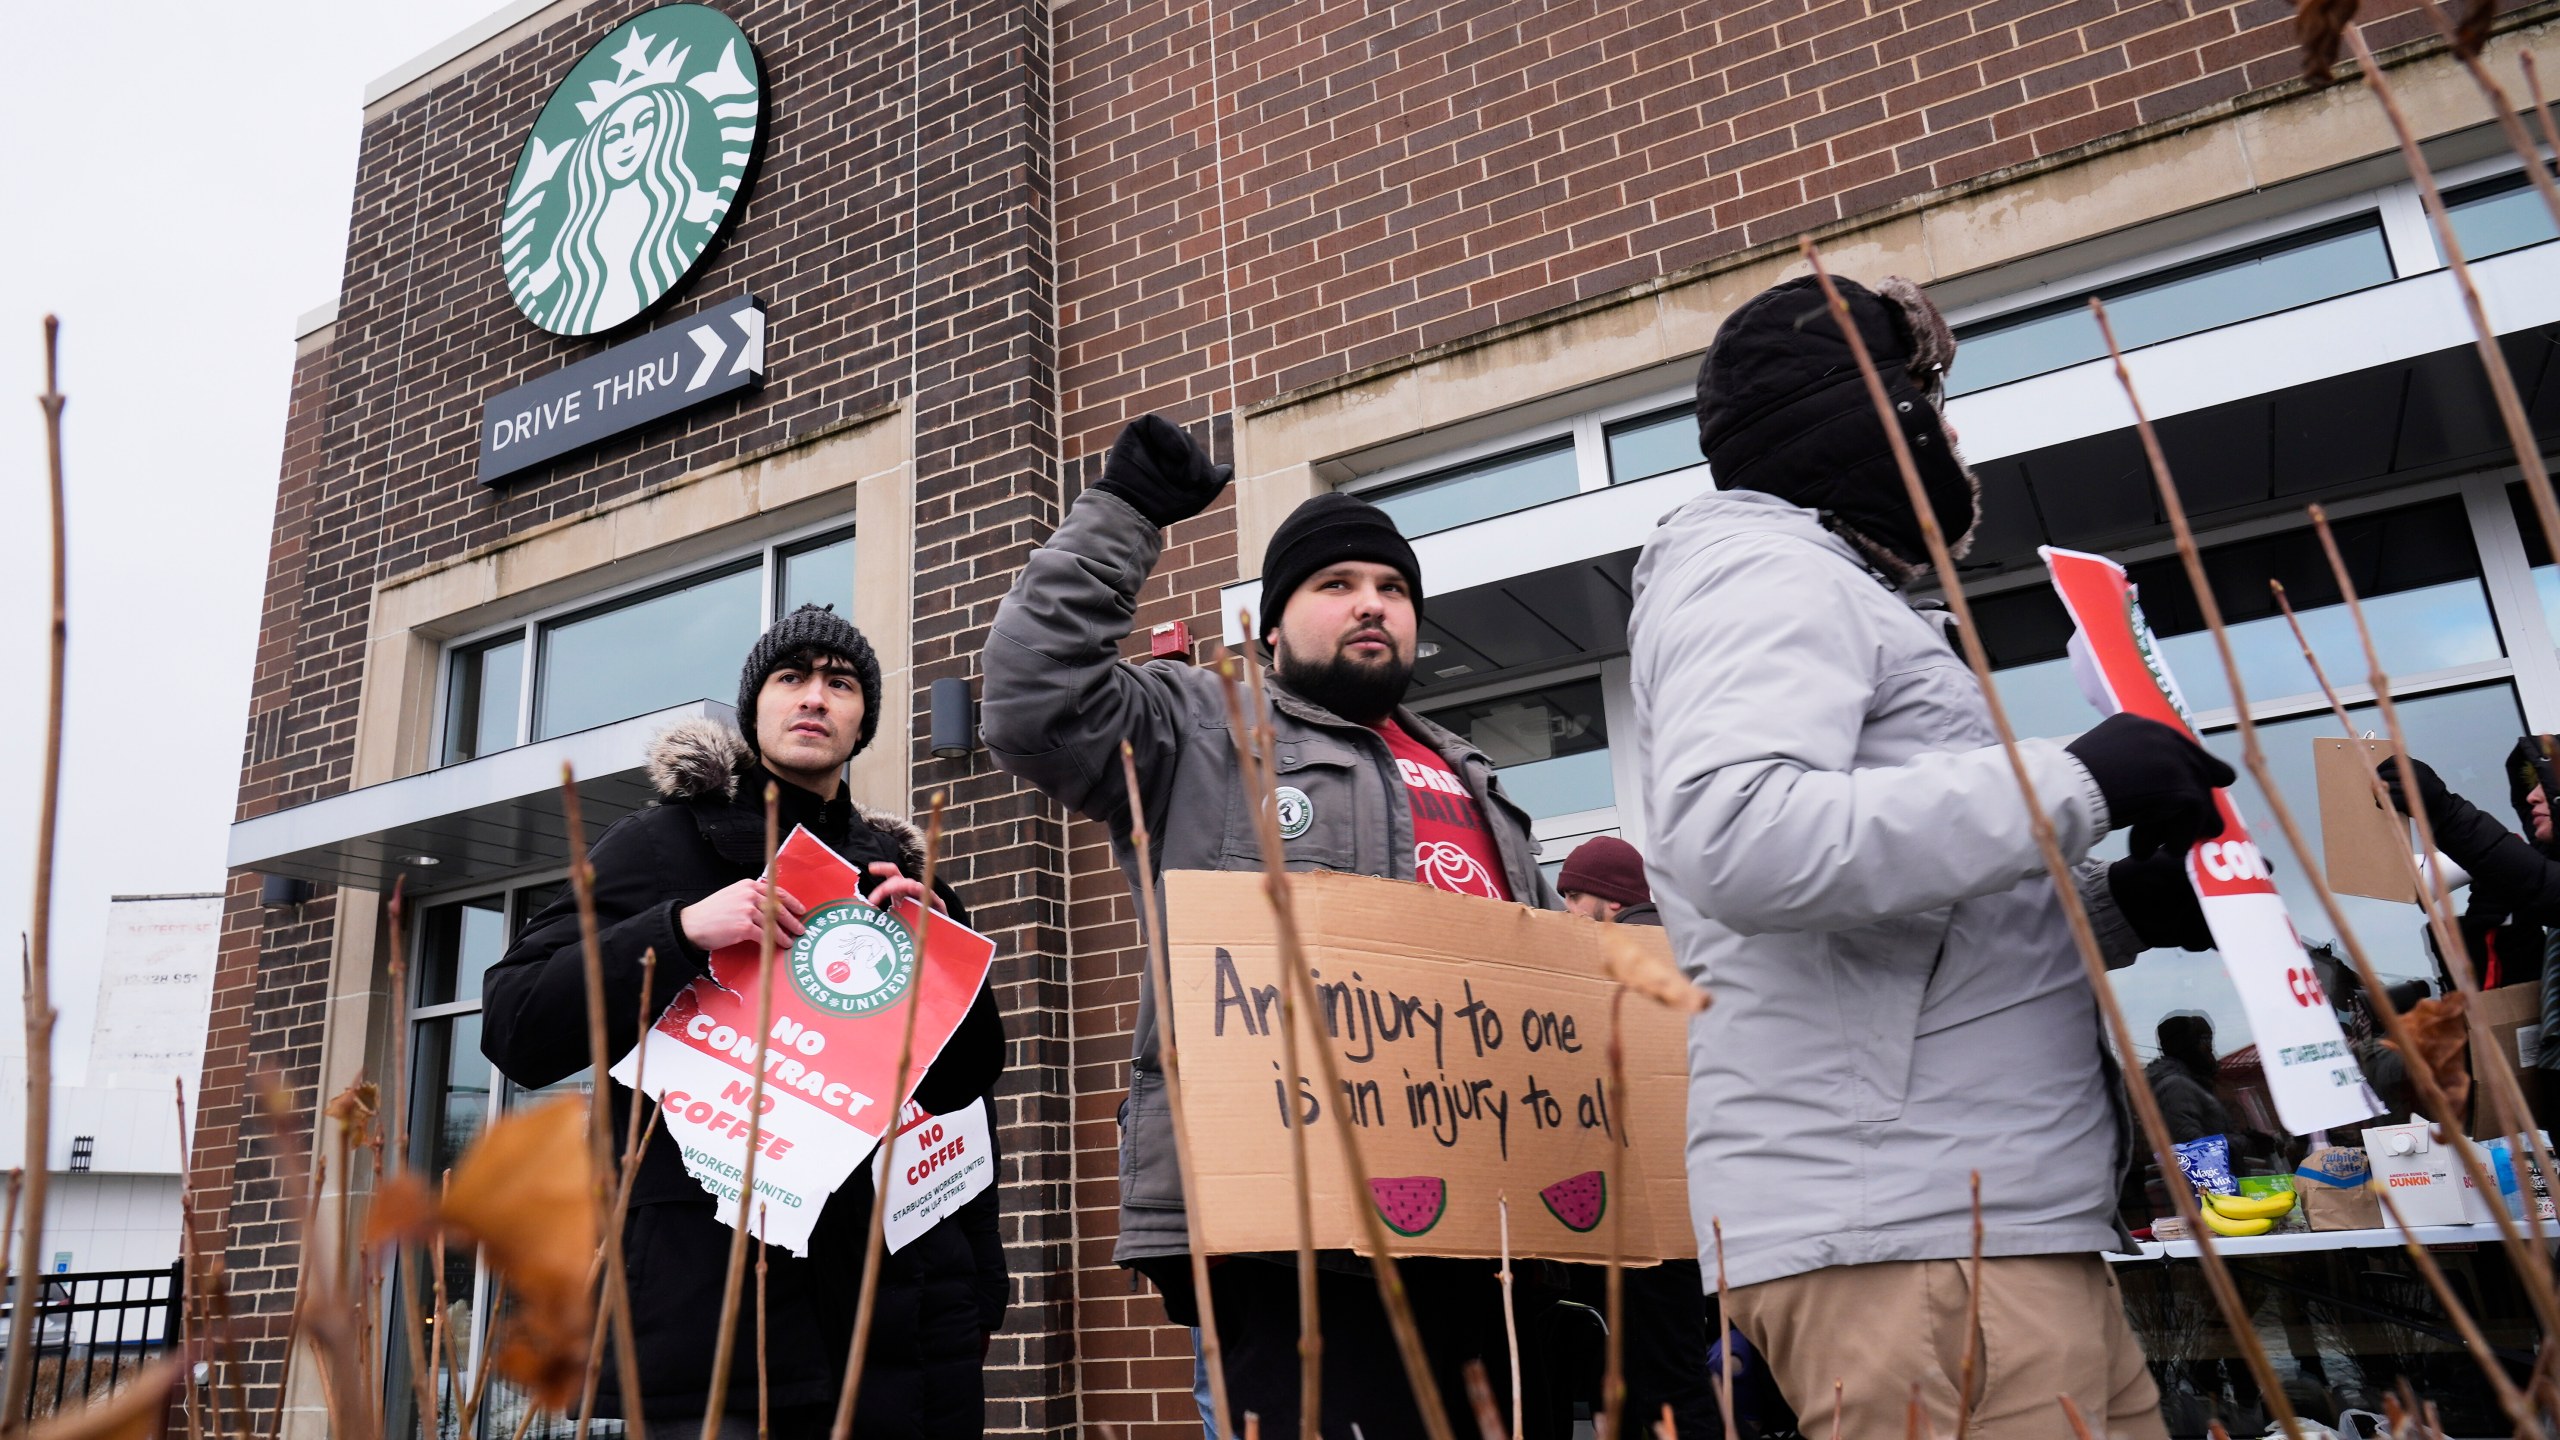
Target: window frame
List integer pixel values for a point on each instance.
(1589, 430)
(502, 1088)
(768, 556)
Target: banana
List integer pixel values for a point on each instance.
(2236, 1229)
(2252, 1207)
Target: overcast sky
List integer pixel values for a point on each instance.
(185, 175)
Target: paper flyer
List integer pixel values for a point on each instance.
(832, 1063)
(943, 1162)
(2310, 1072)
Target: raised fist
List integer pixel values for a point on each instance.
(1160, 472)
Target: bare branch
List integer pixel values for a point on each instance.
(870, 1289)
(626, 1349)
(19, 1375)
(1168, 1063)
(724, 1347)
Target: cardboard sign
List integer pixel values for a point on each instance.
(1471, 1039)
(943, 1162)
(2310, 1072)
(831, 1064)
(2365, 848)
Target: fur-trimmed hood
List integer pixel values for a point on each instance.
(698, 762)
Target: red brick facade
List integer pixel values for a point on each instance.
(1396, 177)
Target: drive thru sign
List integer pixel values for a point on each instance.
(2310, 1072)
(831, 1064)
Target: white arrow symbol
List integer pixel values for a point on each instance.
(713, 347)
(750, 359)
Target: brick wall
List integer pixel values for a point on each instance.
(1399, 176)
(986, 492)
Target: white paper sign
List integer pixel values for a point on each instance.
(2311, 1073)
(943, 1162)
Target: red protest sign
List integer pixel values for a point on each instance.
(2313, 1078)
(843, 990)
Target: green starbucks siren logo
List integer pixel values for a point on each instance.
(632, 170)
(853, 959)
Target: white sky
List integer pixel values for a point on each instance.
(186, 201)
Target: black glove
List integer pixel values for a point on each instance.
(2157, 782)
(2431, 791)
(2463, 830)
(2159, 903)
(1160, 472)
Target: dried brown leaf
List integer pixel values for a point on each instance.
(355, 1106)
(136, 1411)
(1635, 957)
(401, 1210)
(2440, 1026)
(524, 1192)
(2319, 26)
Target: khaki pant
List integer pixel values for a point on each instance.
(2051, 1325)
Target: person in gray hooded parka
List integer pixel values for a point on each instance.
(1842, 855)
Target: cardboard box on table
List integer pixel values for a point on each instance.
(1471, 1039)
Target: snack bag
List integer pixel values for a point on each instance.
(2259, 1186)
(2207, 1161)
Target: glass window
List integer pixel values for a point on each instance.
(2498, 215)
(646, 654)
(819, 573)
(2416, 571)
(1550, 747)
(457, 944)
(2464, 734)
(2295, 271)
(452, 1090)
(2537, 553)
(484, 699)
(1480, 490)
(1655, 444)
(455, 1092)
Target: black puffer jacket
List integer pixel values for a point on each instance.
(707, 832)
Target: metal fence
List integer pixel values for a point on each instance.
(95, 1330)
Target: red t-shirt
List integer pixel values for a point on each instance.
(1452, 849)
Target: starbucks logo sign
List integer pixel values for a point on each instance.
(632, 170)
(852, 959)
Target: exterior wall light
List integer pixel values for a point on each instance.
(955, 720)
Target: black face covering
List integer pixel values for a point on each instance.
(1362, 693)
(2533, 763)
(1782, 409)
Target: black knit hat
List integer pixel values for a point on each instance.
(1325, 531)
(810, 630)
(1782, 409)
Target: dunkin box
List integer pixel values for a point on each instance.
(2423, 1176)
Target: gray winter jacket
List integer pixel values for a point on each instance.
(1842, 855)
(1058, 702)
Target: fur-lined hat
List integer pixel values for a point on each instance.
(1783, 410)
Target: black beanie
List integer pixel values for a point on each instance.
(1782, 409)
(1326, 531)
(813, 630)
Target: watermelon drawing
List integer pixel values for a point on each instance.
(1410, 1204)
(1578, 1200)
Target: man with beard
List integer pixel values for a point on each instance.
(1365, 786)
